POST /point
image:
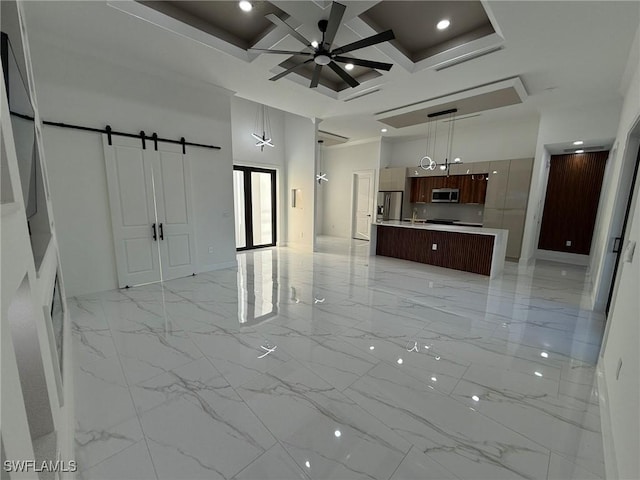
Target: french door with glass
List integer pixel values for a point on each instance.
(254, 200)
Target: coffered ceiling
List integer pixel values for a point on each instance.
(562, 52)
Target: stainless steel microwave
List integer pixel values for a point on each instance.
(445, 195)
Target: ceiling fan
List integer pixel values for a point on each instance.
(322, 54)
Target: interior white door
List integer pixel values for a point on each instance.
(176, 237)
(363, 196)
(133, 215)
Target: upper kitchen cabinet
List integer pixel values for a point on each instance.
(392, 179)
(469, 168)
(517, 193)
(497, 184)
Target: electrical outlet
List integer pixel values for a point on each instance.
(210, 249)
(434, 246)
(479, 213)
(568, 243)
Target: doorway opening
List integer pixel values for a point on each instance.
(363, 189)
(254, 204)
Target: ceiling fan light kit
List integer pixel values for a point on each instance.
(322, 54)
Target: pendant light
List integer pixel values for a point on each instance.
(321, 177)
(428, 162)
(262, 124)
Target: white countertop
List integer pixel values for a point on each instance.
(443, 228)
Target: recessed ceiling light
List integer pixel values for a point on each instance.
(443, 167)
(245, 6)
(349, 66)
(578, 142)
(544, 354)
(434, 379)
(457, 160)
(337, 433)
(372, 347)
(400, 361)
(314, 44)
(580, 151)
(442, 24)
(475, 398)
(384, 130)
(537, 374)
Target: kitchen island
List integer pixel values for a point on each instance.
(471, 249)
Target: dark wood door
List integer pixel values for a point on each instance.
(571, 202)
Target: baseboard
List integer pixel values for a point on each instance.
(219, 266)
(563, 257)
(610, 463)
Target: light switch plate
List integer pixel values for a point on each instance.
(568, 243)
(434, 246)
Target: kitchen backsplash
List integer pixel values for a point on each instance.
(464, 213)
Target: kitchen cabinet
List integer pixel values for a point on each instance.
(469, 168)
(472, 190)
(421, 190)
(392, 179)
(517, 192)
(497, 184)
(506, 200)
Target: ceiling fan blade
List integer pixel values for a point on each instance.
(366, 42)
(289, 70)
(316, 76)
(364, 63)
(344, 75)
(279, 52)
(292, 31)
(335, 18)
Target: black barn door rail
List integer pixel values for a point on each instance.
(110, 132)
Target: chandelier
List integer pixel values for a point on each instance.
(262, 124)
(428, 162)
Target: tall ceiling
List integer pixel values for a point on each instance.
(562, 52)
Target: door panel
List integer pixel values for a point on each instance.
(571, 202)
(364, 194)
(175, 198)
(131, 198)
(173, 194)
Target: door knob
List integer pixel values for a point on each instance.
(161, 232)
(155, 235)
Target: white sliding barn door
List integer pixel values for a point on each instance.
(133, 216)
(151, 210)
(175, 213)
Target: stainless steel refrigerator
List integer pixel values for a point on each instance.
(389, 206)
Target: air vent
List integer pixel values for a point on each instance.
(466, 58)
(362, 95)
(597, 148)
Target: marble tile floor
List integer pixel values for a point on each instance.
(335, 365)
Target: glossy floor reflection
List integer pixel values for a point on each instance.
(334, 365)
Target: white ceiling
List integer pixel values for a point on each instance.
(565, 52)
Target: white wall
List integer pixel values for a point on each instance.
(622, 339)
(596, 121)
(480, 143)
(86, 91)
(245, 152)
(340, 162)
(300, 160)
